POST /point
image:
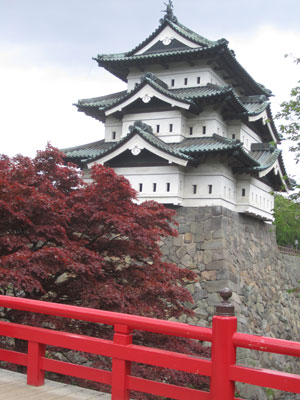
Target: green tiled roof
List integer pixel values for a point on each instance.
(179, 28)
(194, 96)
(260, 158)
(119, 63)
(186, 95)
(148, 79)
(188, 149)
(102, 101)
(193, 36)
(207, 144)
(255, 108)
(145, 131)
(255, 104)
(265, 158)
(88, 151)
(124, 58)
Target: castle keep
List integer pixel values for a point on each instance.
(193, 128)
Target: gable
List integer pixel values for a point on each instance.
(144, 159)
(145, 93)
(136, 143)
(169, 45)
(164, 40)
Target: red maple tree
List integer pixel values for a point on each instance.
(65, 241)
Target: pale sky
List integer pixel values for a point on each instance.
(46, 50)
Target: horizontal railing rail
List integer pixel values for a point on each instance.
(106, 317)
(221, 368)
(289, 251)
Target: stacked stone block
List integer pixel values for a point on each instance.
(227, 249)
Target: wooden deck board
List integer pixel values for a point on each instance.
(13, 387)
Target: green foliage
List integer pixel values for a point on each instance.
(270, 393)
(295, 290)
(287, 220)
(290, 116)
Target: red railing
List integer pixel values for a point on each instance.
(221, 368)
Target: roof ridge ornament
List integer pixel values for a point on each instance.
(169, 13)
(140, 125)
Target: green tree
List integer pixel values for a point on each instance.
(287, 220)
(289, 116)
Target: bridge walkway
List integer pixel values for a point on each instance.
(13, 387)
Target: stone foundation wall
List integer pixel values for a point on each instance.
(227, 249)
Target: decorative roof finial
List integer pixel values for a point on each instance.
(169, 12)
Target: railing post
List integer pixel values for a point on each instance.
(121, 368)
(35, 375)
(223, 355)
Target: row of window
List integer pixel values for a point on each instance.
(195, 189)
(168, 188)
(259, 199)
(255, 198)
(190, 129)
(185, 81)
(154, 187)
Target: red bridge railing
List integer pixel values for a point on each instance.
(221, 368)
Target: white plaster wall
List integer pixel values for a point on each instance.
(247, 136)
(178, 72)
(233, 130)
(258, 195)
(226, 188)
(163, 119)
(161, 176)
(210, 118)
(113, 125)
(243, 133)
(214, 174)
(181, 122)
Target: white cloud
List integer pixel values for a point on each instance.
(36, 106)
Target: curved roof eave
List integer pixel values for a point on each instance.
(174, 100)
(267, 119)
(118, 64)
(153, 141)
(277, 165)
